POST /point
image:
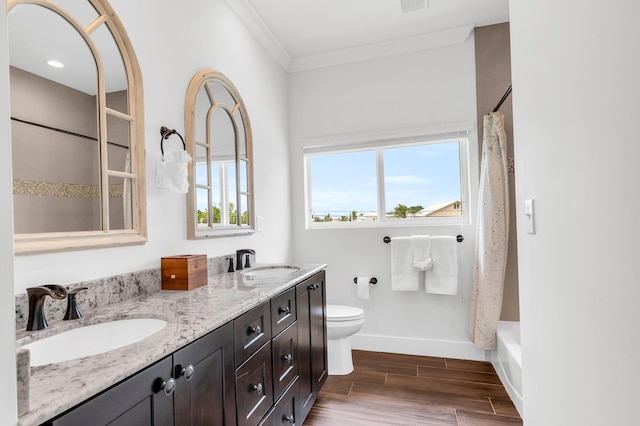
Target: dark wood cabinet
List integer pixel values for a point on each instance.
(205, 391)
(285, 359)
(251, 330)
(140, 400)
(254, 389)
(265, 367)
(312, 340)
(194, 386)
(285, 412)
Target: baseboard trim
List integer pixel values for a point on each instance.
(423, 347)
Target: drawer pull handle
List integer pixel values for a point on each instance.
(254, 330)
(288, 418)
(314, 286)
(187, 372)
(168, 386)
(257, 388)
(285, 310)
(287, 358)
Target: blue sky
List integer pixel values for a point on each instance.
(415, 175)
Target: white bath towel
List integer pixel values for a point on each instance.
(442, 278)
(404, 277)
(421, 245)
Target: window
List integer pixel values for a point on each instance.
(388, 183)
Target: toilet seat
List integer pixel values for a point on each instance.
(339, 313)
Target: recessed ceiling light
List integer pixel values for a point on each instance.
(55, 64)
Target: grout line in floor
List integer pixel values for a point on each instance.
(492, 407)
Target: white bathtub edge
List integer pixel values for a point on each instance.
(515, 396)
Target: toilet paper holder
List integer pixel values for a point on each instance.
(373, 280)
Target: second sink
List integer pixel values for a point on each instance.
(270, 271)
(91, 340)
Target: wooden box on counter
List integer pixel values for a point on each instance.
(184, 271)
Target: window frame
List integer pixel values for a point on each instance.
(378, 146)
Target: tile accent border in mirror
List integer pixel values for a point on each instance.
(66, 190)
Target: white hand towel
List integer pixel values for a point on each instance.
(421, 245)
(362, 285)
(442, 278)
(172, 171)
(404, 277)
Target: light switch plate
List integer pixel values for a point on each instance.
(258, 223)
(529, 212)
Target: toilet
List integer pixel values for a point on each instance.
(342, 322)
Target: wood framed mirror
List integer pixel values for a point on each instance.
(77, 128)
(219, 139)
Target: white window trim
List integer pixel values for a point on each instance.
(379, 145)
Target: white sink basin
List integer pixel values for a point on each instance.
(270, 271)
(91, 340)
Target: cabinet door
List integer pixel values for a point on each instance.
(251, 330)
(137, 401)
(318, 324)
(283, 311)
(312, 340)
(285, 359)
(205, 393)
(285, 411)
(254, 388)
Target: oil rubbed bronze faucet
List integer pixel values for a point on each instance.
(240, 254)
(36, 295)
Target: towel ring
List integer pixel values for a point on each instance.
(165, 132)
(373, 280)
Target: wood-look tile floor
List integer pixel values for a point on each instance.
(391, 389)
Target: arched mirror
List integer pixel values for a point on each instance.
(76, 127)
(218, 136)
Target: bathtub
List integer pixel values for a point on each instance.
(507, 360)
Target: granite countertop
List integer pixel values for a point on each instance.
(54, 388)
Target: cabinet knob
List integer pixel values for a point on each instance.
(285, 310)
(288, 358)
(257, 388)
(168, 386)
(254, 330)
(288, 418)
(187, 372)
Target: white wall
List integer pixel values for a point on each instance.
(426, 89)
(576, 86)
(173, 40)
(8, 402)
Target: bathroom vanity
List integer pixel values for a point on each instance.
(247, 349)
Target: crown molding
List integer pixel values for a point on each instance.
(254, 23)
(380, 50)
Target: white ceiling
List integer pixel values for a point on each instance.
(310, 27)
(304, 31)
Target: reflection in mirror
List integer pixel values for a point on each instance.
(76, 129)
(218, 136)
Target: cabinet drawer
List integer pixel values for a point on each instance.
(285, 411)
(251, 330)
(254, 391)
(285, 359)
(283, 311)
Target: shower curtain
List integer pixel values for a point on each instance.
(491, 235)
